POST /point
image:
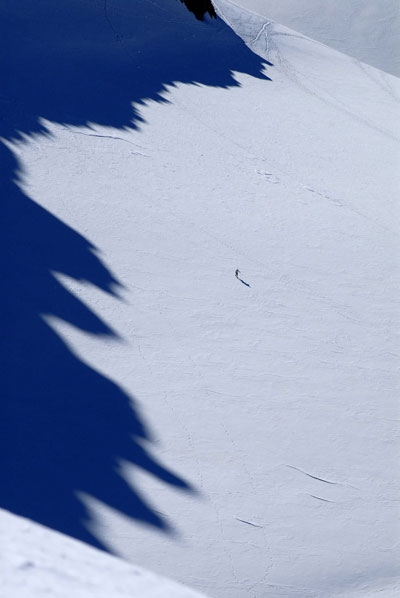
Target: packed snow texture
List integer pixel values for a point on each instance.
(369, 30)
(239, 435)
(37, 562)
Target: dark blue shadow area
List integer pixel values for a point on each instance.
(86, 61)
(64, 428)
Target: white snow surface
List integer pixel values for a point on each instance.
(366, 29)
(39, 562)
(272, 395)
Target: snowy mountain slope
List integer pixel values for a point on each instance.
(365, 29)
(273, 451)
(73, 75)
(38, 562)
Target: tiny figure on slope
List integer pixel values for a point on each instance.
(237, 272)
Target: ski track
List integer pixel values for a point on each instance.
(285, 309)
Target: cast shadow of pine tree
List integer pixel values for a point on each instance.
(64, 428)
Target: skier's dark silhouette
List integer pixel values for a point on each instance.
(237, 272)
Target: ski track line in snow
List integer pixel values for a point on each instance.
(314, 477)
(322, 499)
(258, 299)
(218, 510)
(248, 522)
(380, 80)
(319, 479)
(266, 547)
(183, 426)
(272, 48)
(288, 281)
(112, 137)
(329, 100)
(286, 178)
(273, 272)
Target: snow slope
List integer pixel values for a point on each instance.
(365, 29)
(38, 562)
(237, 435)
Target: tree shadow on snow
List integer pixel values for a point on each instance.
(64, 428)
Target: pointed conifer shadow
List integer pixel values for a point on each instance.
(65, 428)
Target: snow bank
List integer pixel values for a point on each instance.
(37, 562)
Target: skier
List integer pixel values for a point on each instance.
(237, 272)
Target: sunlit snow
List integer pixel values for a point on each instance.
(238, 434)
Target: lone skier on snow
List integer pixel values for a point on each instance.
(237, 272)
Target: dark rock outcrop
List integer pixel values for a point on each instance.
(200, 7)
